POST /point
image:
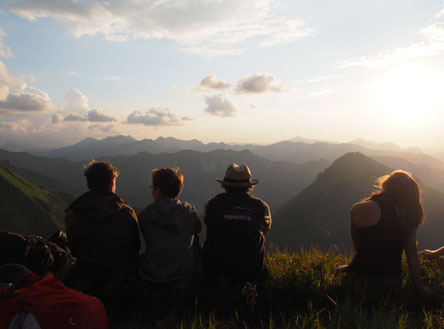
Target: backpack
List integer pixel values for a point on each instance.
(28, 301)
(38, 254)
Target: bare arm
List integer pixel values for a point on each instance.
(430, 254)
(413, 263)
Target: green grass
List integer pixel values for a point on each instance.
(302, 292)
(28, 208)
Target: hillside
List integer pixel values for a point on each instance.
(319, 215)
(28, 208)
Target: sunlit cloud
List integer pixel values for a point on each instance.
(210, 82)
(220, 105)
(15, 127)
(210, 28)
(75, 102)
(5, 51)
(17, 97)
(430, 44)
(259, 83)
(157, 117)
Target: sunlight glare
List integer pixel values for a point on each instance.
(409, 95)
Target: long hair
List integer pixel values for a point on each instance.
(402, 188)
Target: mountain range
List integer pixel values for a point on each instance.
(280, 180)
(298, 150)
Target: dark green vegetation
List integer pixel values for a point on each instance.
(319, 215)
(28, 208)
(302, 292)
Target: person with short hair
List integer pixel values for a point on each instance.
(102, 228)
(237, 223)
(170, 228)
(383, 226)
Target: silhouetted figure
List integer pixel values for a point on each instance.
(170, 229)
(383, 226)
(236, 226)
(102, 230)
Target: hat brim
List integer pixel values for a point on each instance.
(240, 184)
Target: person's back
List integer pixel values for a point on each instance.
(379, 247)
(169, 228)
(236, 226)
(102, 229)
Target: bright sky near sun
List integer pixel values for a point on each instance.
(256, 71)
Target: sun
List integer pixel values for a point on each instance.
(409, 95)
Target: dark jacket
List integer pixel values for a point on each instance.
(103, 233)
(169, 227)
(235, 242)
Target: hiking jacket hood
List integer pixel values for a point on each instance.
(103, 233)
(168, 227)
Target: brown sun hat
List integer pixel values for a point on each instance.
(238, 176)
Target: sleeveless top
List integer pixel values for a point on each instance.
(379, 247)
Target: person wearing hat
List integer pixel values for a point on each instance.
(236, 225)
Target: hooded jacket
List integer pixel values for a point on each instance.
(169, 227)
(103, 233)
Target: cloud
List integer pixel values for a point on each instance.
(5, 51)
(104, 128)
(220, 105)
(157, 117)
(15, 127)
(210, 28)
(210, 82)
(91, 116)
(99, 116)
(56, 118)
(75, 117)
(431, 43)
(75, 102)
(259, 83)
(17, 97)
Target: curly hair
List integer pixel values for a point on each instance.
(168, 180)
(99, 174)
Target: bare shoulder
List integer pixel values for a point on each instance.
(365, 213)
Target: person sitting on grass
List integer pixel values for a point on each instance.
(236, 226)
(383, 226)
(432, 254)
(102, 231)
(170, 229)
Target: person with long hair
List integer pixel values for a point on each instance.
(384, 225)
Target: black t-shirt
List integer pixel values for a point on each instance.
(235, 242)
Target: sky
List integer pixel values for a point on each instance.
(250, 71)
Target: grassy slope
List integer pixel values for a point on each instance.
(302, 292)
(28, 208)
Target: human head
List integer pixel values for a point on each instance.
(238, 179)
(405, 191)
(101, 176)
(168, 181)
